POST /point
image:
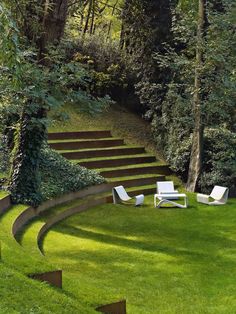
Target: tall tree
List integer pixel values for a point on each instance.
(146, 27)
(53, 23)
(50, 17)
(197, 137)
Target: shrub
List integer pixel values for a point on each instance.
(59, 176)
(4, 155)
(219, 159)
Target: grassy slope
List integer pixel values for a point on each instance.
(3, 194)
(20, 294)
(121, 122)
(160, 260)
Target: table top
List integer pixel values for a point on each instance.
(170, 195)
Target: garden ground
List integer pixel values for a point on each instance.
(160, 260)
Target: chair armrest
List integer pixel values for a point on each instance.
(139, 199)
(203, 198)
(172, 192)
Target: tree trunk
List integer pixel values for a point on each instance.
(197, 140)
(88, 17)
(24, 182)
(110, 23)
(53, 24)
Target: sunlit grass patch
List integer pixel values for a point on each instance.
(160, 260)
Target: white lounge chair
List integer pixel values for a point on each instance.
(120, 195)
(167, 187)
(219, 195)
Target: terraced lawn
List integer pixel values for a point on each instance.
(160, 260)
(3, 194)
(19, 294)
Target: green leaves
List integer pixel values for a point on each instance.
(59, 176)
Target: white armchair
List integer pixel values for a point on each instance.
(219, 195)
(167, 187)
(120, 195)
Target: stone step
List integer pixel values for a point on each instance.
(79, 135)
(111, 152)
(157, 169)
(87, 144)
(136, 182)
(116, 162)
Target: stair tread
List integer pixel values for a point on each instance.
(84, 140)
(124, 147)
(111, 180)
(146, 165)
(113, 158)
(80, 131)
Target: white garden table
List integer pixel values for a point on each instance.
(163, 199)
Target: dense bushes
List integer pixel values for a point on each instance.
(104, 68)
(4, 158)
(59, 176)
(173, 116)
(219, 159)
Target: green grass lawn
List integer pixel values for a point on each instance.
(21, 295)
(3, 194)
(160, 260)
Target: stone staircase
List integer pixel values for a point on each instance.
(119, 163)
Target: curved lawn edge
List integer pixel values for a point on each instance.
(64, 215)
(31, 213)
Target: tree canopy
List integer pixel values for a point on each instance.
(173, 62)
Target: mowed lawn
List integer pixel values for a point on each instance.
(160, 260)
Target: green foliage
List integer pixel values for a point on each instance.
(91, 69)
(172, 116)
(4, 155)
(102, 19)
(25, 182)
(59, 176)
(28, 90)
(219, 159)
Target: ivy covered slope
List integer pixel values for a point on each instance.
(57, 177)
(60, 176)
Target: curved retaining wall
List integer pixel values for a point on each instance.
(31, 212)
(23, 219)
(5, 203)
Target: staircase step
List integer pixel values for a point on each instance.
(110, 152)
(137, 181)
(116, 162)
(128, 171)
(100, 143)
(79, 135)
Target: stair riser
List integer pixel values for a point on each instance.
(138, 182)
(104, 153)
(116, 162)
(86, 144)
(79, 135)
(136, 171)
